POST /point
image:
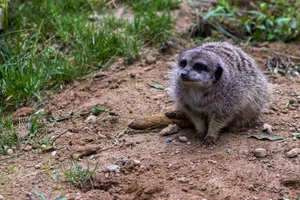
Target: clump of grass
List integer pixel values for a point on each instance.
(154, 5)
(8, 135)
(79, 175)
(273, 21)
(49, 43)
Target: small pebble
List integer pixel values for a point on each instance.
(171, 129)
(150, 59)
(293, 153)
(212, 161)
(182, 139)
(137, 162)
(113, 168)
(10, 152)
(260, 153)
(168, 140)
(90, 119)
(267, 128)
(122, 161)
(183, 180)
(38, 166)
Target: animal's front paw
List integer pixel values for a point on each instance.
(210, 140)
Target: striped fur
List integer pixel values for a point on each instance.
(235, 101)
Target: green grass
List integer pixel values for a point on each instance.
(49, 43)
(78, 174)
(273, 21)
(8, 135)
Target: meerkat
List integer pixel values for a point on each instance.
(218, 86)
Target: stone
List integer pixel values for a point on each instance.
(169, 130)
(267, 128)
(90, 119)
(10, 152)
(150, 59)
(183, 180)
(260, 152)
(137, 162)
(113, 168)
(182, 139)
(293, 153)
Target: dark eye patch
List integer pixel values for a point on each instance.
(200, 67)
(183, 63)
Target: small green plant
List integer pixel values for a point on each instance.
(275, 20)
(98, 110)
(78, 174)
(8, 135)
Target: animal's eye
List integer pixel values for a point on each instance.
(183, 63)
(200, 67)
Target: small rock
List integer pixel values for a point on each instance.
(170, 129)
(182, 139)
(113, 168)
(293, 153)
(150, 59)
(38, 166)
(53, 138)
(90, 119)
(168, 140)
(1, 197)
(146, 69)
(137, 162)
(188, 143)
(260, 153)
(122, 161)
(212, 161)
(267, 128)
(183, 180)
(10, 152)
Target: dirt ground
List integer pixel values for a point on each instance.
(157, 169)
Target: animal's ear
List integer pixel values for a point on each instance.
(218, 73)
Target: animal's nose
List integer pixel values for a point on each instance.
(183, 74)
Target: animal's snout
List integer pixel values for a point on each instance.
(183, 74)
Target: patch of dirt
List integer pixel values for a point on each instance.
(167, 170)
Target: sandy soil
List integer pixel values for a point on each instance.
(157, 169)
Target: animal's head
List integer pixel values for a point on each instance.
(200, 68)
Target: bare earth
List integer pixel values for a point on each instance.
(167, 170)
(157, 169)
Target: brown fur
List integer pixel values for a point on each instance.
(231, 93)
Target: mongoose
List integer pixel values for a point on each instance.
(218, 86)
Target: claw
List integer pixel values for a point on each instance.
(209, 140)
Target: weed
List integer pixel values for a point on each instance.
(79, 175)
(275, 20)
(11, 169)
(8, 135)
